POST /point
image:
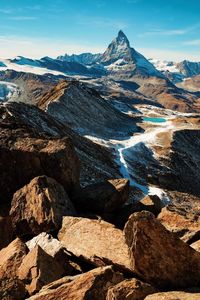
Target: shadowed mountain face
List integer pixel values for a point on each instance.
(83, 109)
(96, 161)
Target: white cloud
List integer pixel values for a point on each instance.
(170, 32)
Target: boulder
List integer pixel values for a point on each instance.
(53, 248)
(96, 241)
(92, 285)
(174, 296)
(130, 289)
(39, 206)
(12, 289)
(49, 244)
(183, 221)
(152, 203)
(103, 197)
(158, 256)
(196, 245)
(11, 258)
(37, 269)
(25, 153)
(6, 231)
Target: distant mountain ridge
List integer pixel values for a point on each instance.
(119, 60)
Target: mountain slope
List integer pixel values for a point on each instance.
(83, 108)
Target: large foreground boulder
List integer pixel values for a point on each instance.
(39, 206)
(92, 285)
(130, 289)
(96, 241)
(158, 256)
(103, 197)
(25, 154)
(38, 269)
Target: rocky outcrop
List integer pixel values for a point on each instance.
(103, 197)
(74, 103)
(37, 269)
(11, 288)
(152, 203)
(53, 248)
(130, 289)
(49, 244)
(157, 256)
(179, 295)
(6, 231)
(21, 120)
(25, 154)
(180, 174)
(39, 206)
(89, 286)
(96, 241)
(183, 221)
(11, 258)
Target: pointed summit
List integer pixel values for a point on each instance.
(118, 48)
(123, 61)
(122, 38)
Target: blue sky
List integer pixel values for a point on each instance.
(160, 29)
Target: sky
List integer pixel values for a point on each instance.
(160, 29)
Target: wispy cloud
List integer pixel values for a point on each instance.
(6, 11)
(170, 32)
(22, 18)
(192, 42)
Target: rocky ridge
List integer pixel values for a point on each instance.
(90, 257)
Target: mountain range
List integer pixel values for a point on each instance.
(100, 168)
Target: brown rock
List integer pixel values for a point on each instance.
(6, 231)
(174, 296)
(152, 203)
(37, 269)
(11, 258)
(130, 289)
(96, 241)
(12, 289)
(53, 248)
(196, 245)
(184, 222)
(39, 206)
(103, 197)
(157, 256)
(92, 285)
(26, 153)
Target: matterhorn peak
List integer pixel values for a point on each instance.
(122, 38)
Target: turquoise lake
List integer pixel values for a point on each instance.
(154, 120)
